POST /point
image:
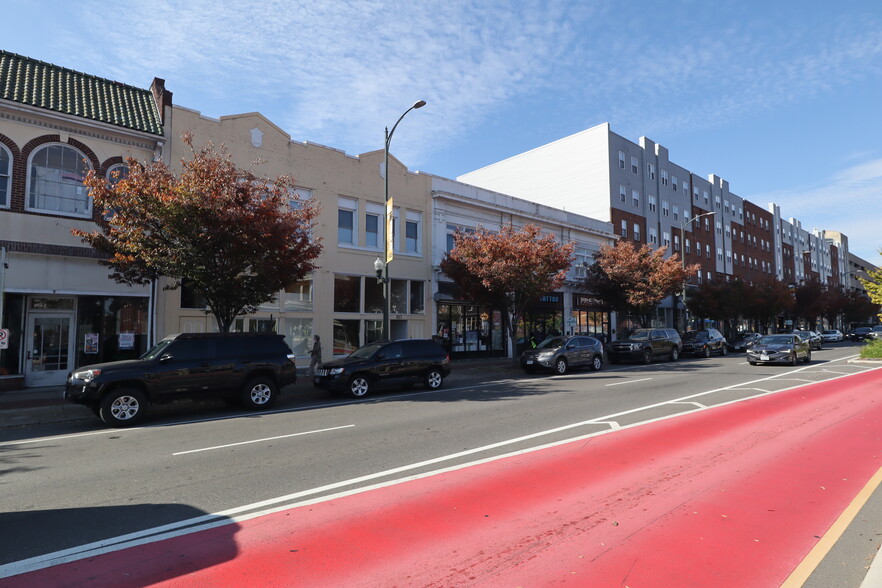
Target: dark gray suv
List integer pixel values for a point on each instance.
(645, 345)
(559, 354)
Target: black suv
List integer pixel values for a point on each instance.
(704, 342)
(645, 345)
(247, 368)
(380, 363)
(562, 353)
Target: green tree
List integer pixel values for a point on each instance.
(509, 269)
(766, 300)
(634, 280)
(720, 300)
(236, 239)
(809, 301)
(873, 284)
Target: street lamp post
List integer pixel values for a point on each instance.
(687, 222)
(383, 264)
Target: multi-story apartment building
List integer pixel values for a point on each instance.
(57, 303)
(469, 329)
(650, 199)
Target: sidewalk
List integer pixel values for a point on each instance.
(32, 406)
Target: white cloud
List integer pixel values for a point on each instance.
(850, 202)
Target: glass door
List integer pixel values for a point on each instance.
(48, 351)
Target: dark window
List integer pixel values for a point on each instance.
(392, 351)
(190, 298)
(186, 349)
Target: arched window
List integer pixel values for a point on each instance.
(117, 172)
(5, 176)
(55, 181)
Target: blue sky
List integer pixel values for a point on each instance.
(780, 98)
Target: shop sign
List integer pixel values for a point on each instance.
(90, 344)
(585, 301)
(4, 338)
(126, 340)
(552, 298)
(485, 316)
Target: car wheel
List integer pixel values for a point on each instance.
(359, 386)
(675, 353)
(647, 356)
(793, 358)
(560, 366)
(259, 393)
(723, 350)
(597, 363)
(434, 379)
(808, 356)
(122, 407)
(706, 351)
(752, 362)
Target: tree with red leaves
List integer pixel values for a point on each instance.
(236, 239)
(509, 270)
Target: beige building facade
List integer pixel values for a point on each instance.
(341, 301)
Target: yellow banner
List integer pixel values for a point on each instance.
(390, 221)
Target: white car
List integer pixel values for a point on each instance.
(832, 336)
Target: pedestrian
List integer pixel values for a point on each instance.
(315, 356)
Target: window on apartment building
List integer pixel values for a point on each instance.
(624, 232)
(698, 275)
(728, 231)
(650, 170)
(698, 247)
(717, 202)
(706, 224)
(666, 239)
(635, 198)
(622, 159)
(719, 254)
(634, 165)
(719, 228)
(674, 183)
(651, 203)
(55, 181)
(676, 212)
(653, 235)
(676, 242)
(623, 193)
(5, 174)
(688, 248)
(728, 256)
(726, 206)
(372, 230)
(707, 251)
(664, 176)
(346, 227)
(741, 214)
(412, 227)
(705, 195)
(636, 232)
(695, 194)
(666, 211)
(708, 276)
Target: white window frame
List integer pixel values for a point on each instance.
(414, 217)
(624, 231)
(6, 176)
(635, 198)
(350, 205)
(621, 159)
(651, 203)
(635, 165)
(623, 194)
(375, 210)
(87, 213)
(650, 168)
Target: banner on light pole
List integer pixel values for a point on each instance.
(390, 219)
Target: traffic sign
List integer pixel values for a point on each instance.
(4, 338)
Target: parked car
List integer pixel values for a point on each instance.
(780, 349)
(860, 334)
(246, 368)
(645, 345)
(832, 336)
(876, 332)
(384, 363)
(704, 342)
(559, 354)
(812, 337)
(742, 340)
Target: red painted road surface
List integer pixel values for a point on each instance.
(734, 496)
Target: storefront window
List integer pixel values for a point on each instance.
(298, 296)
(470, 329)
(110, 328)
(373, 295)
(417, 297)
(346, 336)
(399, 297)
(298, 335)
(347, 293)
(12, 319)
(373, 331)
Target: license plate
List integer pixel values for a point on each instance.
(764, 357)
(529, 362)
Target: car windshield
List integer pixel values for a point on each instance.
(157, 349)
(693, 335)
(776, 340)
(366, 351)
(552, 343)
(830, 332)
(640, 335)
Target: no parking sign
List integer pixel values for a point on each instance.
(4, 338)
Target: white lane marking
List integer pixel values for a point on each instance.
(698, 404)
(270, 506)
(628, 382)
(262, 440)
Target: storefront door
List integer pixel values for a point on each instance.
(50, 342)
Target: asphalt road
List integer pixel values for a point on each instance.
(78, 484)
